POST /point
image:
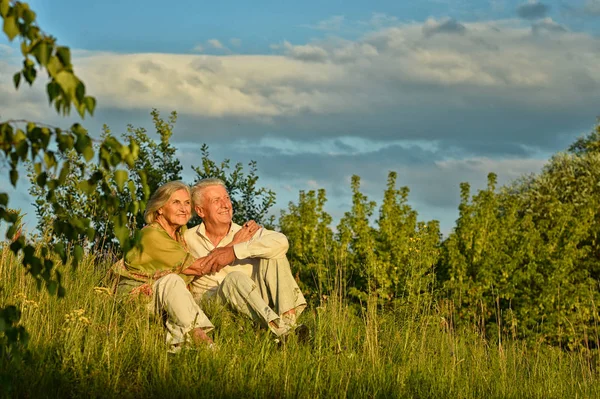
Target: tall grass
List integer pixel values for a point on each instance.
(87, 345)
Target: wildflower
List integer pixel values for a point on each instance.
(28, 303)
(20, 295)
(102, 290)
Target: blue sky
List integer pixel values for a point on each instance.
(439, 91)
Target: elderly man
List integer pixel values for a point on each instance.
(248, 266)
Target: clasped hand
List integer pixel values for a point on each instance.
(220, 257)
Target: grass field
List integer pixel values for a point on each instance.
(87, 345)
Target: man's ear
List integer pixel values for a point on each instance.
(199, 211)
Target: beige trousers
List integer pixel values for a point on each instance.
(268, 294)
(171, 297)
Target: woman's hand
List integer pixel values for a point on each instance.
(211, 263)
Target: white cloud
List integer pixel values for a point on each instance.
(306, 52)
(381, 20)
(198, 48)
(446, 25)
(5, 50)
(333, 23)
(547, 25)
(392, 83)
(235, 41)
(216, 44)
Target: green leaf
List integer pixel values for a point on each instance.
(88, 152)
(64, 172)
(21, 149)
(90, 233)
(68, 82)
(54, 66)
(19, 137)
(80, 92)
(49, 159)
(28, 16)
(41, 179)
(120, 178)
(53, 90)
(78, 254)
(90, 104)
(64, 55)
(41, 52)
(29, 73)
(51, 286)
(4, 6)
(10, 233)
(3, 199)
(14, 176)
(17, 79)
(59, 249)
(10, 27)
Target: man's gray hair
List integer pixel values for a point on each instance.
(199, 187)
(161, 196)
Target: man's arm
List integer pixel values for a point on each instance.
(220, 257)
(266, 244)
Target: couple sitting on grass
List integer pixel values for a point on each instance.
(242, 266)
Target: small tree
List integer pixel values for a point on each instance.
(22, 141)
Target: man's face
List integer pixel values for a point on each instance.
(216, 206)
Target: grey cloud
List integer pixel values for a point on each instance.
(434, 183)
(149, 66)
(354, 52)
(486, 126)
(532, 10)
(207, 64)
(308, 53)
(137, 86)
(547, 25)
(592, 7)
(448, 25)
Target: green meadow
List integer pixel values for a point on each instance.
(87, 345)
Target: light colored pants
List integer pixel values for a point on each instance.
(171, 296)
(264, 297)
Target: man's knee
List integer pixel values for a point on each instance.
(235, 279)
(277, 265)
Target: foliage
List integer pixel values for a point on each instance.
(249, 201)
(524, 260)
(394, 262)
(155, 165)
(312, 246)
(22, 141)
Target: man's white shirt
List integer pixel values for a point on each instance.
(265, 244)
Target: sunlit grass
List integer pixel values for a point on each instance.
(87, 345)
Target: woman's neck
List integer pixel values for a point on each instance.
(168, 227)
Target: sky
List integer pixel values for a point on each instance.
(440, 91)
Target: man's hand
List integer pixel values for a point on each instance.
(217, 259)
(211, 263)
(246, 233)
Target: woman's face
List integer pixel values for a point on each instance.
(178, 209)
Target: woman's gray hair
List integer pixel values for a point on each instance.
(160, 197)
(201, 185)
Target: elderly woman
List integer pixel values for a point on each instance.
(163, 267)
